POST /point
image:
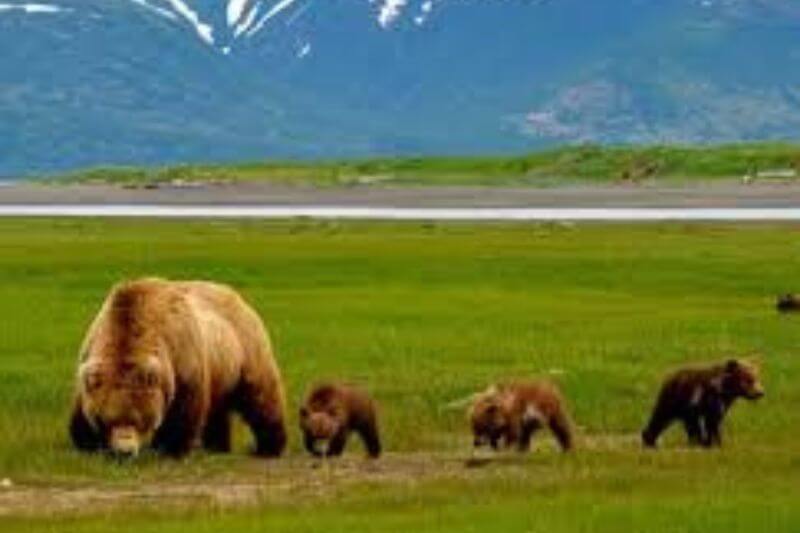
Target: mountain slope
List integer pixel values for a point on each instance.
(86, 82)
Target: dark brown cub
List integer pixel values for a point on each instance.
(331, 411)
(700, 398)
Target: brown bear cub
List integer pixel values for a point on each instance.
(331, 411)
(513, 412)
(166, 363)
(700, 398)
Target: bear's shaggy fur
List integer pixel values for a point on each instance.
(700, 398)
(331, 411)
(166, 362)
(514, 412)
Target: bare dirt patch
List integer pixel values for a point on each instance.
(286, 480)
(277, 481)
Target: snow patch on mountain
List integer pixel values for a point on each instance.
(244, 19)
(155, 9)
(424, 11)
(235, 10)
(204, 31)
(390, 11)
(245, 22)
(34, 8)
(276, 9)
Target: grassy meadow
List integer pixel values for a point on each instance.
(421, 315)
(579, 165)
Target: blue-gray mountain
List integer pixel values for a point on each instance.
(90, 82)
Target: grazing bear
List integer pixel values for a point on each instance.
(700, 397)
(787, 303)
(331, 411)
(165, 363)
(514, 412)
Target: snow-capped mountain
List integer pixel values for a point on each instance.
(226, 23)
(87, 82)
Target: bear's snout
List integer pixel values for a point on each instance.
(125, 441)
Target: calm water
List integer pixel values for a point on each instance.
(400, 213)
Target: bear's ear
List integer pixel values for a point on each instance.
(732, 365)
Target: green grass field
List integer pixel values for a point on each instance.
(586, 164)
(422, 314)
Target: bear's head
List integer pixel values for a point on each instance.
(125, 401)
(321, 424)
(488, 417)
(741, 380)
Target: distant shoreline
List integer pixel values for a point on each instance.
(719, 195)
(566, 166)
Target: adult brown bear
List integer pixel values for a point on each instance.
(166, 362)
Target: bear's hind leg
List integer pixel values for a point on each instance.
(660, 420)
(562, 428)
(372, 442)
(263, 413)
(217, 434)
